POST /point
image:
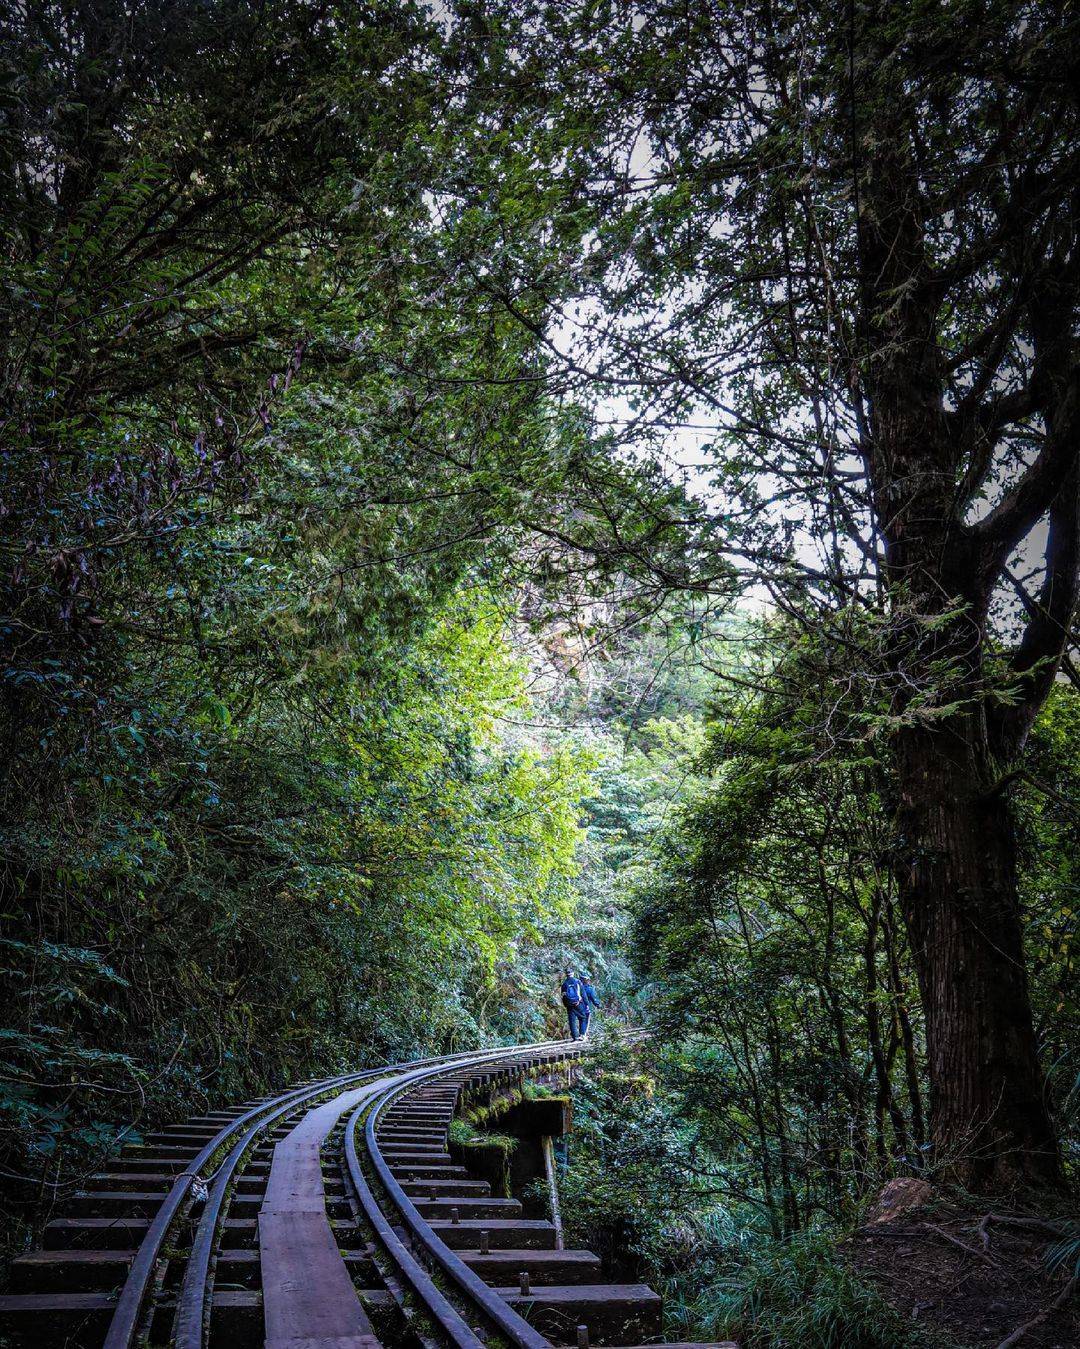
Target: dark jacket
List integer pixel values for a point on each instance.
(590, 993)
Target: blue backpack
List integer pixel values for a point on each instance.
(572, 991)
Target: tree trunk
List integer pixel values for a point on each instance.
(958, 887)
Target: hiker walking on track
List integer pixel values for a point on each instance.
(575, 1002)
(591, 1001)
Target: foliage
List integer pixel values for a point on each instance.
(1050, 889)
(258, 804)
(786, 1079)
(804, 292)
(630, 1189)
(393, 404)
(466, 1135)
(802, 1293)
(782, 977)
(1065, 1254)
(632, 700)
(639, 1190)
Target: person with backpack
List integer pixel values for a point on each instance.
(591, 1001)
(575, 1002)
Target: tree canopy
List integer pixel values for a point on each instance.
(490, 484)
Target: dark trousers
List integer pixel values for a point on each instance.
(578, 1016)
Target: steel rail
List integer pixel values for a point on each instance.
(420, 1281)
(508, 1321)
(124, 1325)
(190, 1318)
(126, 1318)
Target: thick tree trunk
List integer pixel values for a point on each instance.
(989, 1119)
(930, 451)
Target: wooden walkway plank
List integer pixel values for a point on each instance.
(309, 1301)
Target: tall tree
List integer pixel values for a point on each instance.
(969, 276)
(845, 247)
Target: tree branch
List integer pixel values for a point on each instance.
(1047, 634)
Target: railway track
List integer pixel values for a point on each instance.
(332, 1216)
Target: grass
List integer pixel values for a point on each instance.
(1065, 1254)
(796, 1294)
(465, 1135)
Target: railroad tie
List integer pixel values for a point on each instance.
(288, 1248)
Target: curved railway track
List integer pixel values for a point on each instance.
(330, 1217)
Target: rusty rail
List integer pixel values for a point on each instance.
(132, 1302)
(514, 1327)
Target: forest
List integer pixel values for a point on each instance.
(494, 486)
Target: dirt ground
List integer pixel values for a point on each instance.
(974, 1276)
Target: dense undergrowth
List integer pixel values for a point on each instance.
(784, 1083)
(640, 1192)
(645, 1188)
